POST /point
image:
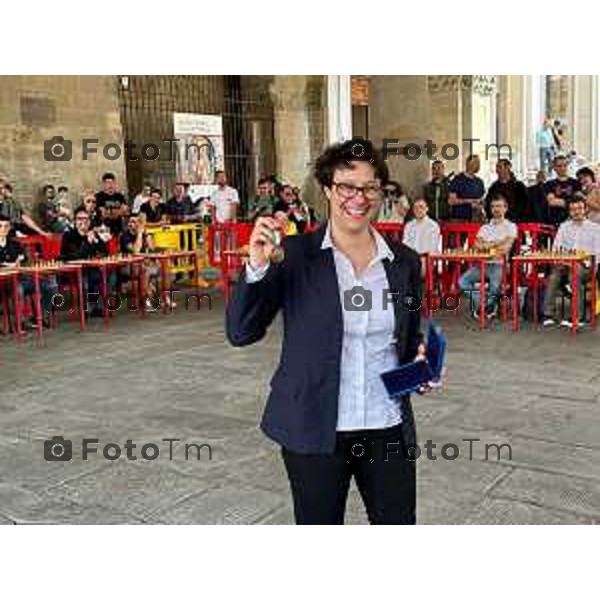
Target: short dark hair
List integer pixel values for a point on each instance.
(472, 157)
(341, 155)
(559, 157)
(155, 191)
(498, 198)
(437, 161)
(80, 209)
(4, 218)
(586, 171)
(48, 186)
(108, 177)
(398, 190)
(576, 199)
(505, 161)
(219, 171)
(62, 188)
(263, 180)
(8, 186)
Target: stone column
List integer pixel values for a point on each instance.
(445, 109)
(535, 101)
(292, 143)
(339, 108)
(585, 107)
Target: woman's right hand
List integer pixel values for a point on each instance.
(261, 244)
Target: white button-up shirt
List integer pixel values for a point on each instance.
(368, 344)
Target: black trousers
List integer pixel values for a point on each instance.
(379, 460)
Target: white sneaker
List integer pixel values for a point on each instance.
(549, 322)
(569, 324)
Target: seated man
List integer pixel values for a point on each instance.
(12, 254)
(180, 207)
(576, 234)
(84, 243)
(497, 236)
(152, 209)
(422, 233)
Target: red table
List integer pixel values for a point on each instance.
(459, 258)
(11, 276)
(39, 270)
(108, 263)
(574, 262)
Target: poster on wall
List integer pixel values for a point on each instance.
(200, 151)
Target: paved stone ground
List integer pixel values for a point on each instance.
(175, 376)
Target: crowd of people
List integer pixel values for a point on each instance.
(570, 204)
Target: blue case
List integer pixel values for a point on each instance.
(409, 378)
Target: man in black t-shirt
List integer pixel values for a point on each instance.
(512, 190)
(112, 204)
(559, 191)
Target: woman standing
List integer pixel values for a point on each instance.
(328, 408)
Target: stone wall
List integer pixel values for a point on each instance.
(36, 108)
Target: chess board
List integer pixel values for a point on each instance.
(462, 254)
(554, 255)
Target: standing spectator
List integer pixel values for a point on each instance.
(575, 162)
(466, 191)
(395, 205)
(225, 200)
(536, 198)
(559, 191)
(263, 203)
(20, 219)
(499, 236)
(56, 209)
(577, 233)
(112, 204)
(303, 214)
(141, 199)
(587, 180)
(65, 206)
(515, 192)
(153, 210)
(436, 191)
(546, 144)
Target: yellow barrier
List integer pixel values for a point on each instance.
(182, 237)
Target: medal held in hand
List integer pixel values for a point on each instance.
(278, 253)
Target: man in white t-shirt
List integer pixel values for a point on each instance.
(576, 234)
(498, 235)
(225, 200)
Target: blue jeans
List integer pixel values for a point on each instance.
(493, 274)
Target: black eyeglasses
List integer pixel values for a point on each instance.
(349, 190)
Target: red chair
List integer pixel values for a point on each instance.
(391, 231)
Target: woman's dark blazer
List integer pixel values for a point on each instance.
(302, 408)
